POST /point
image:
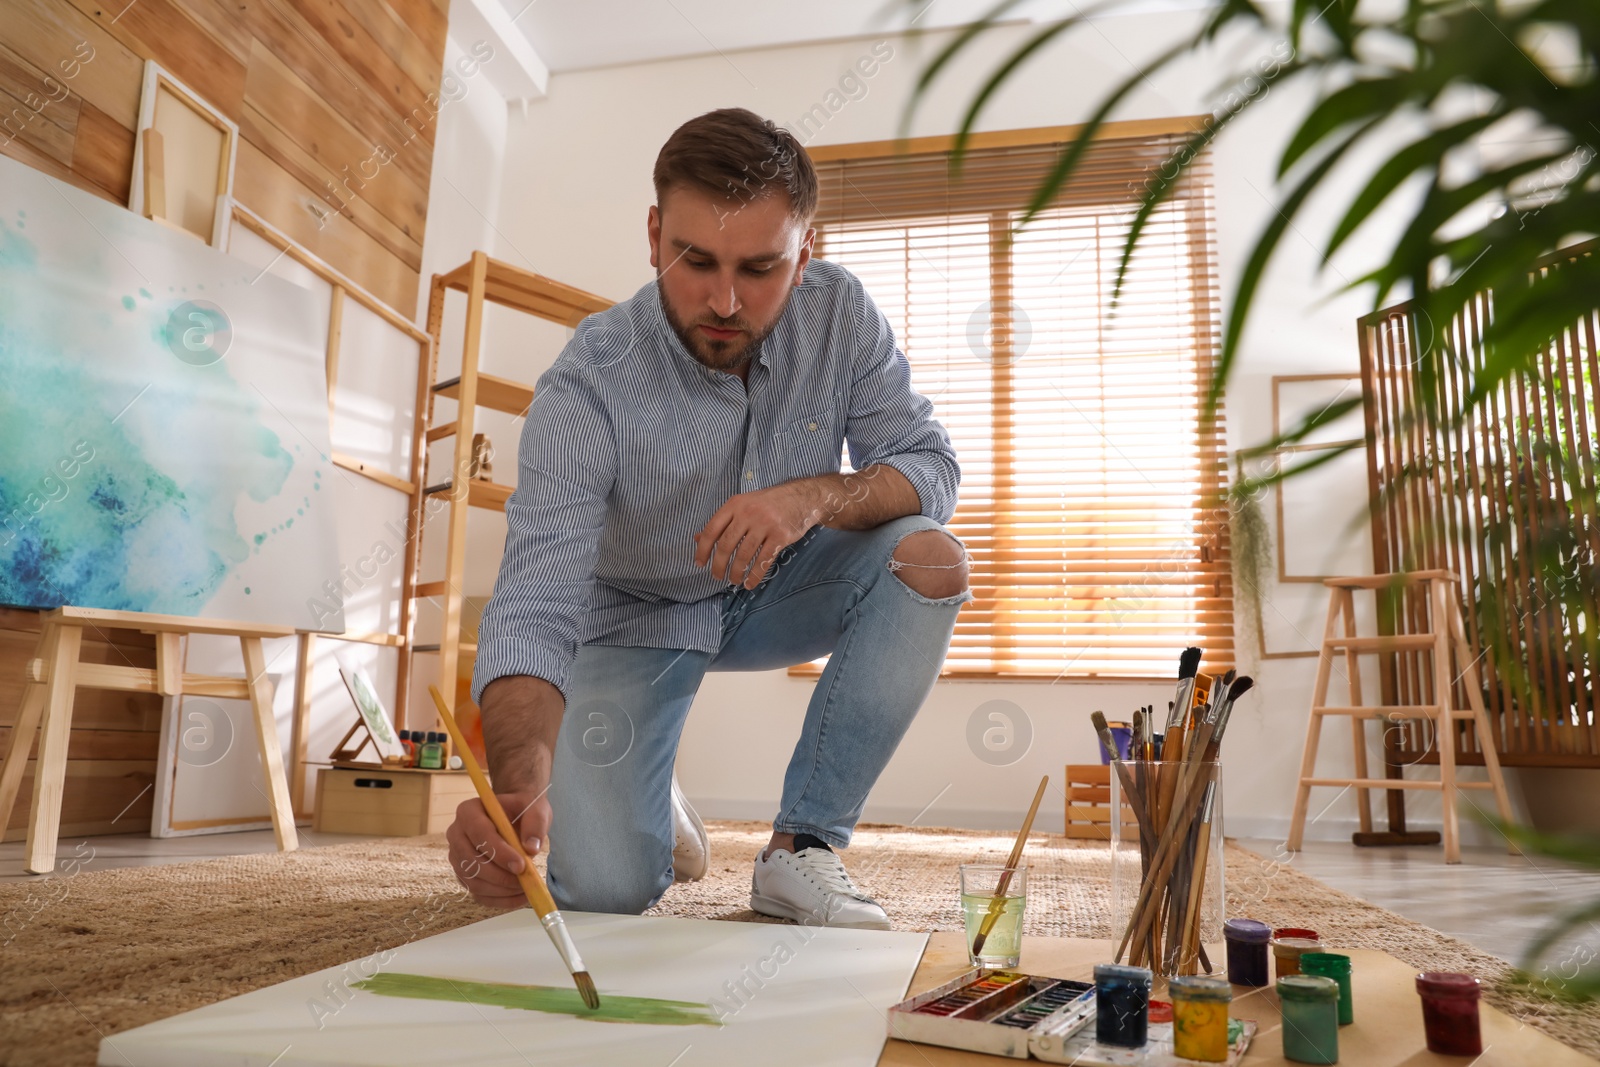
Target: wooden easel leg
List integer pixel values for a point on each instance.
(255, 672)
(1480, 718)
(50, 772)
(22, 731)
(1308, 758)
(300, 735)
(1445, 724)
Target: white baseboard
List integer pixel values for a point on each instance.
(1260, 827)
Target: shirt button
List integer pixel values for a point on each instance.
(811, 426)
(749, 475)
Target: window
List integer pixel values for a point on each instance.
(1090, 497)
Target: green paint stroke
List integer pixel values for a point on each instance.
(559, 1001)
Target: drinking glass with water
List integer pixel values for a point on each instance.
(992, 900)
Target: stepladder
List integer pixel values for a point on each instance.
(1438, 638)
(56, 673)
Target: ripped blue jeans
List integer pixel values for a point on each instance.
(833, 591)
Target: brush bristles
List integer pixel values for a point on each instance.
(1189, 663)
(586, 989)
(1099, 720)
(1241, 686)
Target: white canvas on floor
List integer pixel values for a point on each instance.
(783, 994)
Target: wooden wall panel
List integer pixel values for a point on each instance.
(318, 87)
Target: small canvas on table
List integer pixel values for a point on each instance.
(774, 995)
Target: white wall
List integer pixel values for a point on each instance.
(576, 190)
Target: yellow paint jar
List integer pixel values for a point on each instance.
(1200, 1018)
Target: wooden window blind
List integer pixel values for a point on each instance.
(1091, 485)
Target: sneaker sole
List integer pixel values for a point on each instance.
(780, 910)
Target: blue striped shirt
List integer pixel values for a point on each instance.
(632, 444)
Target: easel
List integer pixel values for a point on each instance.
(55, 675)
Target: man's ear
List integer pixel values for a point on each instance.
(805, 254)
(652, 229)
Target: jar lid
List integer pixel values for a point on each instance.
(1296, 931)
(1307, 987)
(1199, 987)
(1293, 946)
(1331, 964)
(1447, 984)
(1247, 930)
(1121, 972)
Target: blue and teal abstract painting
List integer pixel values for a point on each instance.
(163, 419)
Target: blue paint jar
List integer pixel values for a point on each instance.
(1122, 1005)
(1247, 951)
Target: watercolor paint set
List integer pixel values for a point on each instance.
(998, 1012)
(1022, 1016)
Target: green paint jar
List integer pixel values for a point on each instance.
(1336, 966)
(1310, 1006)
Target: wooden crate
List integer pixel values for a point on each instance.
(1089, 804)
(399, 802)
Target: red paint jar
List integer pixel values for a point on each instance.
(1450, 1013)
(1296, 931)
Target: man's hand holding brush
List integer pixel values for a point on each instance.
(521, 717)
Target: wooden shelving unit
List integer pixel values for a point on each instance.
(482, 279)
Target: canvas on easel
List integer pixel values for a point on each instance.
(164, 421)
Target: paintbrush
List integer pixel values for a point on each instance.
(1197, 884)
(998, 904)
(538, 896)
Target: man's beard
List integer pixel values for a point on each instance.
(726, 356)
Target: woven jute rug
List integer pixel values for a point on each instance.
(84, 955)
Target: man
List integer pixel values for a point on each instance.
(680, 508)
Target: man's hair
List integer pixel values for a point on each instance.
(737, 154)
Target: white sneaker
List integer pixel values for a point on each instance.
(812, 887)
(691, 850)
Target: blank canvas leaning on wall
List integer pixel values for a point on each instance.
(163, 421)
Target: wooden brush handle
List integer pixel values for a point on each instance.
(998, 904)
(532, 884)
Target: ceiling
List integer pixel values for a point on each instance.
(573, 35)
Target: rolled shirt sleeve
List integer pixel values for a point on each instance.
(567, 466)
(890, 422)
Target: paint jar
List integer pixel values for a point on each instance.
(1200, 1018)
(1297, 931)
(1336, 966)
(1247, 951)
(994, 896)
(1200, 833)
(1310, 1006)
(1450, 1013)
(1286, 953)
(1122, 1005)
(409, 759)
(431, 755)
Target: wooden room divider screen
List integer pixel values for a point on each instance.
(1507, 499)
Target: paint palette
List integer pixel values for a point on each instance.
(1007, 1013)
(993, 1011)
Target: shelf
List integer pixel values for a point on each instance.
(491, 495)
(523, 290)
(502, 394)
